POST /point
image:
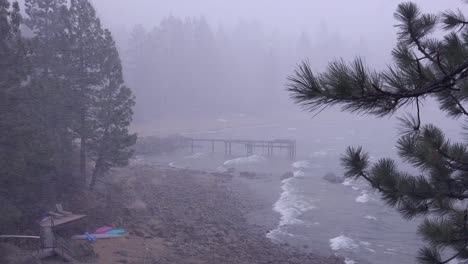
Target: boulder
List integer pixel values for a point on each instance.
(331, 177)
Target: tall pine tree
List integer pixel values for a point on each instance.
(47, 20)
(112, 113)
(10, 53)
(86, 57)
(424, 66)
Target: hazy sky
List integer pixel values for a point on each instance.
(361, 17)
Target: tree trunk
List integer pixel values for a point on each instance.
(95, 175)
(83, 148)
(83, 159)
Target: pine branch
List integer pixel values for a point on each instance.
(462, 109)
(452, 20)
(456, 255)
(419, 115)
(460, 165)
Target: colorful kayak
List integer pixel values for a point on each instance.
(116, 232)
(96, 236)
(104, 230)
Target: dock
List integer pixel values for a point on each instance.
(250, 146)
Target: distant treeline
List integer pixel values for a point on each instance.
(64, 106)
(186, 67)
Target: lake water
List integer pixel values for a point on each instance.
(347, 219)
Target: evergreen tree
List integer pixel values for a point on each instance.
(86, 59)
(26, 158)
(9, 82)
(112, 114)
(49, 82)
(425, 67)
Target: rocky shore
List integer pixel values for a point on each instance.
(192, 217)
(177, 216)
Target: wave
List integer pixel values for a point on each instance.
(363, 198)
(290, 205)
(303, 164)
(299, 174)
(254, 159)
(349, 261)
(370, 217)
(196, 156)
(365, 243)
(348, 182)
(343, 243)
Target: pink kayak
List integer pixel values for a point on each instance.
(103, 230)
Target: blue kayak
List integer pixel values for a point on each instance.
(116, 232)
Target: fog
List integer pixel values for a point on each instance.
(170, 123)
(234, 57)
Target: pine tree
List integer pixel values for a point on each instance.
(103, 104)
(86, 34)
(25, 156)
(424, 67)
(9, 52)
(112, 114)
(49, 82)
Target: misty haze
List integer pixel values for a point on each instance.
(246, 131)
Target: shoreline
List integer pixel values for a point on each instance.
(191, 216)
(179, 216)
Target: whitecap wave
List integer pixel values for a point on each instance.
(303, 164)
(290, 205)
(349, 261)
(172, 165)
(348, 182)
(365, 243)
(254, 159)
(299, 174)
(370, 217)
(343, 243)
(363, 198)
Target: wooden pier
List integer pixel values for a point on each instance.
(249, 145)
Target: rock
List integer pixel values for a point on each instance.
(331, 177)
(122, 253)
(139, 233)
(248, 175)
(287, 175)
